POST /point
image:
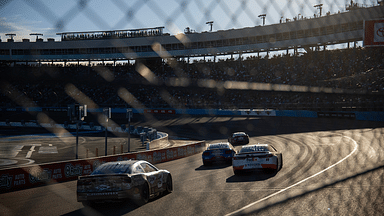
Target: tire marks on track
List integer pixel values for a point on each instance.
(246, 209)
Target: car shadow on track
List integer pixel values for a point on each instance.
(110, 208)
(251, 176)
(213, 167)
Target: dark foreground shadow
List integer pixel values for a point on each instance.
(378, 208)
(108, 208)
(251, 176)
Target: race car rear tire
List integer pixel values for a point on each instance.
(87, 203)
(270, 170)
(206, 163)
(238, 172)
(169, 188)
(144, 195)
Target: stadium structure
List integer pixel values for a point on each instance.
(258, 84)
(153, 43)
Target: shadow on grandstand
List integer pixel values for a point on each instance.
(221, 127)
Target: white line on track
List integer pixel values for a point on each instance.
(239, 211)
(16, 150)
(31, 150)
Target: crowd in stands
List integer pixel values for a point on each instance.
(358, 72)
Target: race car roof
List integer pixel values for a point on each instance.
(239, 134)
(218, 146)
(115, 167)
(255, 148)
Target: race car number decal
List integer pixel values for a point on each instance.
(216, 153)
(253, 165)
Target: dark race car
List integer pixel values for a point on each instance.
(239, 138)
(135, 180)
(218, 152)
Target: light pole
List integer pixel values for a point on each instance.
(210, 23)
(77, 113)
(262, 16)
(319, 6)
(37, 35)
(107, 115)
(129, 115)
(11, 35)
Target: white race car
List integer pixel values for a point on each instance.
(257, 157)
(137, 180)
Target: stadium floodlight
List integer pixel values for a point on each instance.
(11, 35)
(319, 6)
(263, 17)
(210, 23)
(37, 35)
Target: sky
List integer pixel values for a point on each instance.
(23, 17)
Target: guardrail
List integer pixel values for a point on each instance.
(160, 142)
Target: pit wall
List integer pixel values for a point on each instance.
(36, 175)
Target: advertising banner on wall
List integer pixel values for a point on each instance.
(36, 175)
(373, 33)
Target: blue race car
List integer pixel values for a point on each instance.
(218, 152)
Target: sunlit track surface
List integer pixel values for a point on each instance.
(331, 167)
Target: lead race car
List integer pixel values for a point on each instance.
(218, 152)
(239, 138)
(136, 180)
(257, 157)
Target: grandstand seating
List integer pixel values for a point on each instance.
(357, 71)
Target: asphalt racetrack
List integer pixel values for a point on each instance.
(331, 167)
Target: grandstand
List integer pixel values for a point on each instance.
(135, 44)
(163, 75)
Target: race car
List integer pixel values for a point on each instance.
(239, 138)
(257, 157)
(218, 152)
(134, 180)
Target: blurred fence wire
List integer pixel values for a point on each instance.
(223, 55)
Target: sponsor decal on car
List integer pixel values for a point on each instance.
(216, 153)
(103, 194)
(252, 165)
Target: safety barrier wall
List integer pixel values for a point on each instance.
(160, 142)
(36, 175)
(358, 115)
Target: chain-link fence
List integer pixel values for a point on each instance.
(288, 56)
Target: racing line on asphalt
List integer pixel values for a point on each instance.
(239, 211)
